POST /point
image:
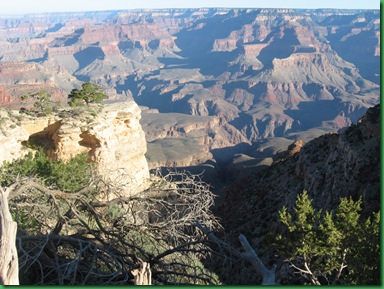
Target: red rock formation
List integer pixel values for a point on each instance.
(18, 78)
(254, 49)
(97, 34)
(54, 52)
(224, 45)
(5, 98)
(271, 61)
(110, 49)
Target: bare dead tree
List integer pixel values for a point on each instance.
(8, 254)
(79, 238)
(249, 255)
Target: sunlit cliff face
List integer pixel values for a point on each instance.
(113, 139)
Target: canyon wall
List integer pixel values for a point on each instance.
(261, 73)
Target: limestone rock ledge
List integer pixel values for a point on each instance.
(113, 139)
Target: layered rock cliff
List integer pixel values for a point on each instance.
(177, 140)
(111, 135)
(262, 73)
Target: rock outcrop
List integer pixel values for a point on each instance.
(12, 137)
(335, 165)
(112, 137)
(177, 140)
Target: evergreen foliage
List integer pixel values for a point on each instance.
(42, 103)
(89, 93)
(331, 247)
(68, 177)
(77, 229)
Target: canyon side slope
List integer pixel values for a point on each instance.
(330, 167)
(249, 75)
(263, 103)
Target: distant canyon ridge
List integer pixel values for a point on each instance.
(230, 85)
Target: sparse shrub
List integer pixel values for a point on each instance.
(42, 103)
(2, 123)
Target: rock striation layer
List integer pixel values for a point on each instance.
(112, 137)
(263, 73)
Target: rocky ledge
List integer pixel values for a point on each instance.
(111, 135)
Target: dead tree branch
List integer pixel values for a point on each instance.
(82, 238)
(143, 276)
(9, 265)
(249, 255)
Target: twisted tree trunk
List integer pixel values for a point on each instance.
(9, 264)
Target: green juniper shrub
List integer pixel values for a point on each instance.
(335, 247)
(68, 177)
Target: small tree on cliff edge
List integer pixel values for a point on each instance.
(89, 93)
(42, 102)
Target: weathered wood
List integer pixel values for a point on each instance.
(143, 276)
(269, 276)
(9, 264)
(251, 256)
